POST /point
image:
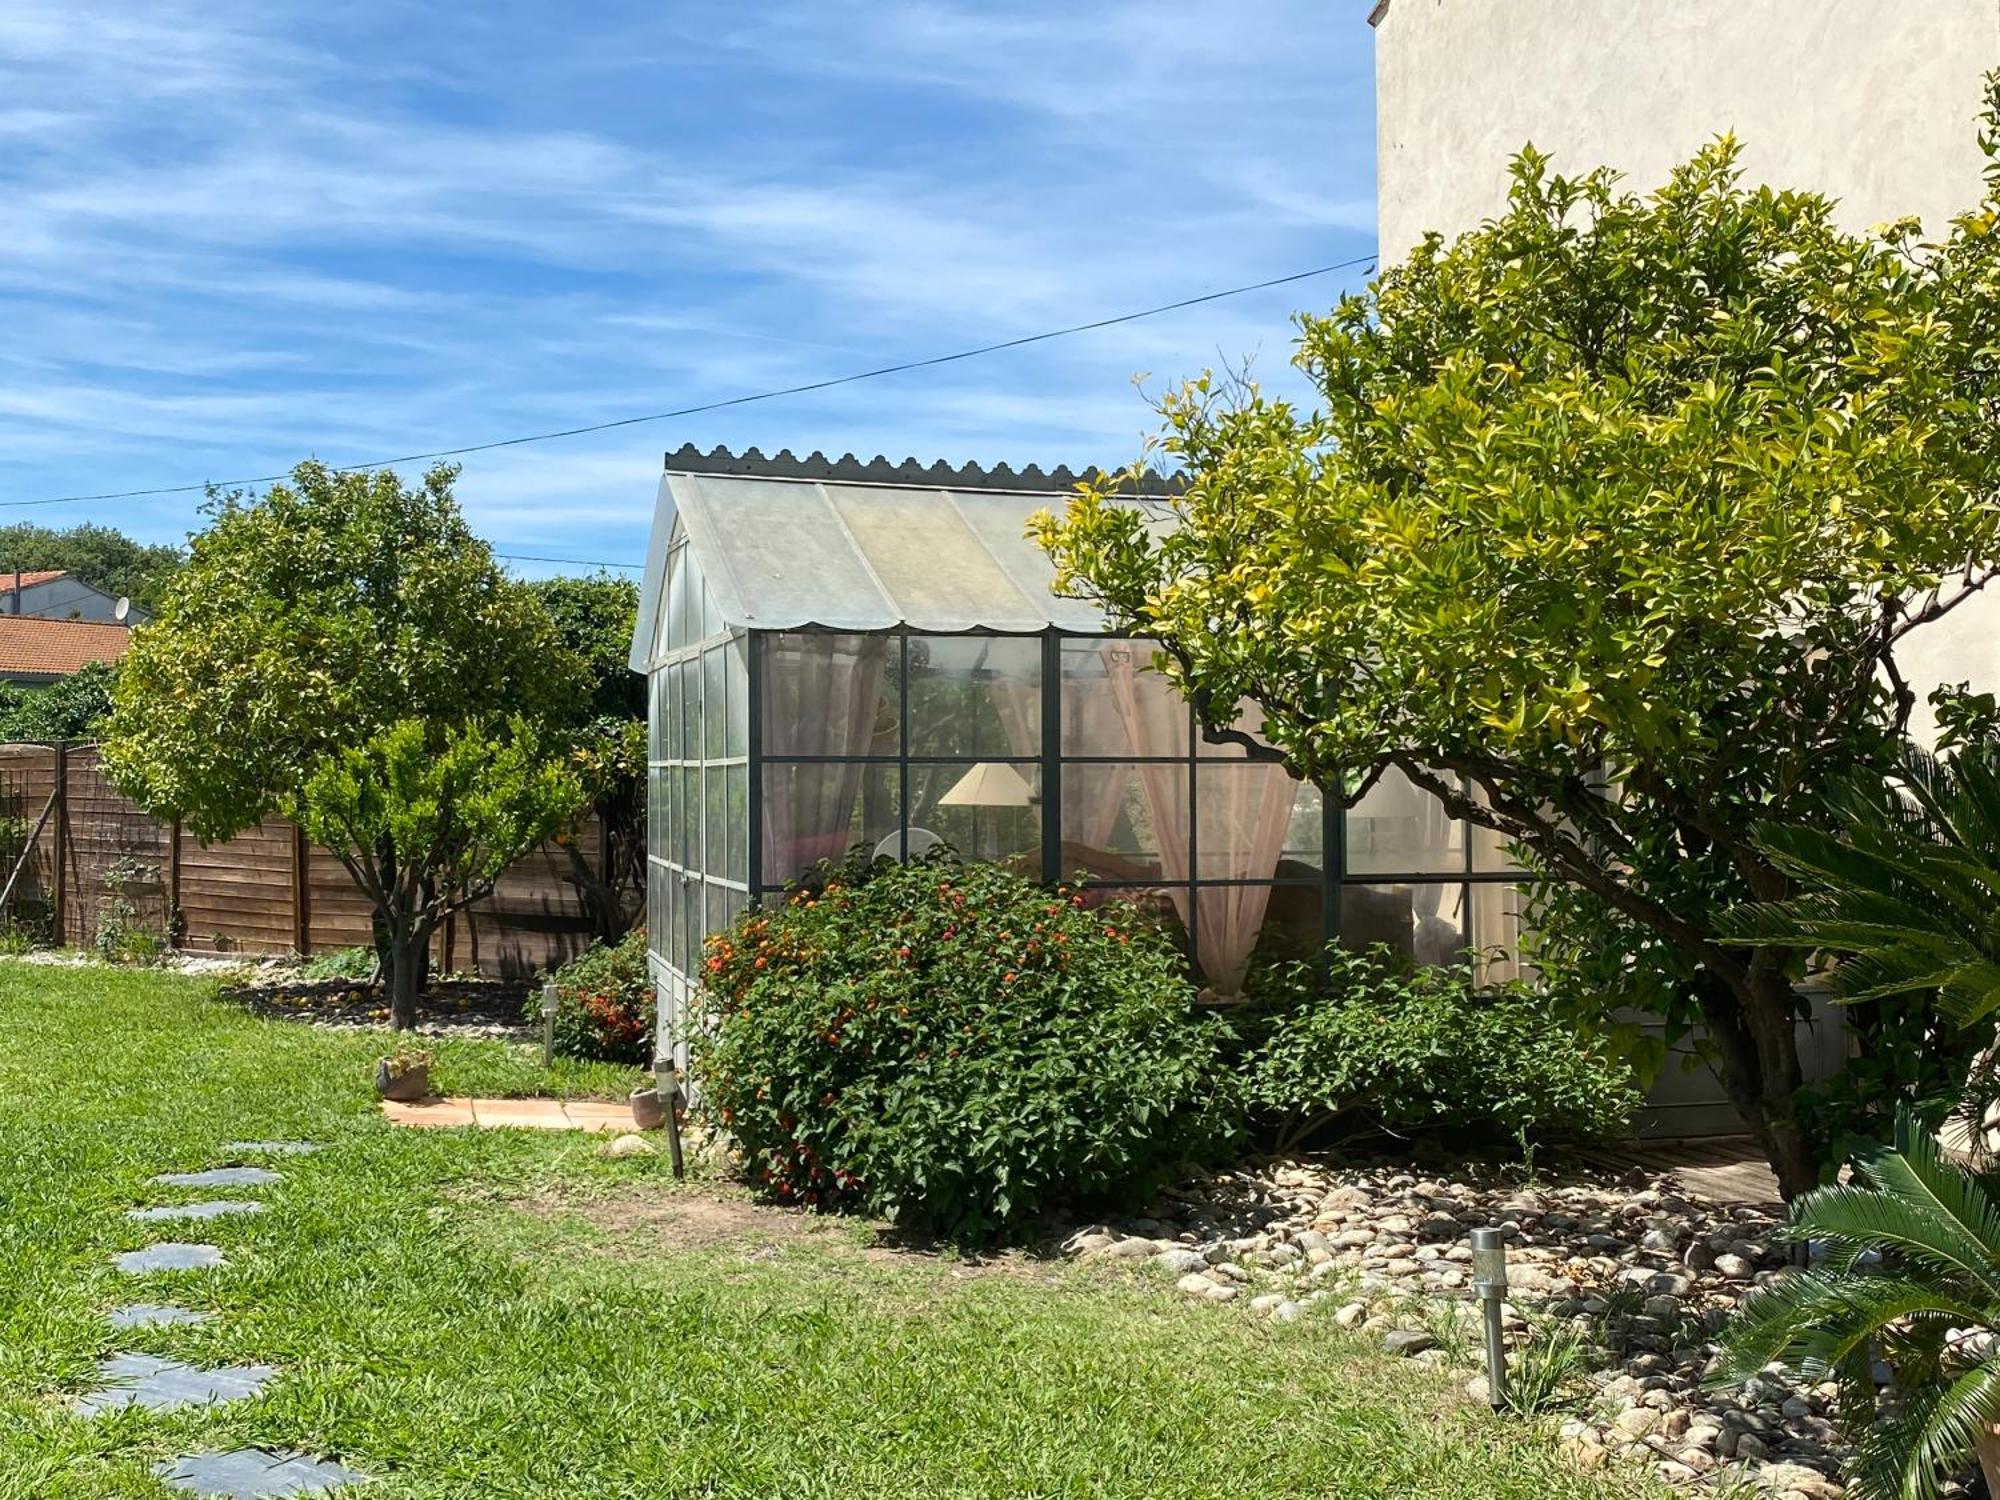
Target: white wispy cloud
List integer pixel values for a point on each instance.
(231, 234)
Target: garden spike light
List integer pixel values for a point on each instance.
(1489, 1280)
(549, 1007)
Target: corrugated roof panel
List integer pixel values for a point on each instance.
(782, 553)
(937, 571)
(1000, 522)
(777, 555)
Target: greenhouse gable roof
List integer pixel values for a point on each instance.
(786, 542)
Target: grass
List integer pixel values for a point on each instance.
(484, 1314)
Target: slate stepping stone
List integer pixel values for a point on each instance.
(251, 1474)
(221, 1177)
(271, 1148)
(156, 1315)
(170, 1256)
(166, 1385)
(219, 1208)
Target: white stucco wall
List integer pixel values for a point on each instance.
(1873, 102)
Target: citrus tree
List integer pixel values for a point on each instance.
(1607, 529)
(342, 650)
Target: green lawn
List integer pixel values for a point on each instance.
(462, 1313)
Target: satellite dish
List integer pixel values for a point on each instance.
(121, 609)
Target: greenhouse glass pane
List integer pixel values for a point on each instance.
(715, 704)
(828, 694)
(1399, 828)
(736, 823)
(989, 811)
(735, 657)
(1243, 813)
(975, 695)
(1114, 818)
(1424, 922)
(1115, 704)
(819, 811)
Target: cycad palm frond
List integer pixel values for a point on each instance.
(1906, 894)
(1934, 1277)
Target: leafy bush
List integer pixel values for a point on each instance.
(954, 1046)
(604, 1003)
(1366, 1034)
(356, 963)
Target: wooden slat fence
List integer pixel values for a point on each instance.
(100, 859)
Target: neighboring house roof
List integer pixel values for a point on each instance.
(29, 580)
(32, 647)
(784, 542)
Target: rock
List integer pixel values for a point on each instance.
(1407, 1341)
(1661, 1307)
(1663, 1241)
(1734, 1268)
(1439, 1227)
(1698, 1257)
(1310, 1240)
(1217, 1293)
(1635, 1423)
(1476, 1389)
(1195, 1285)
(1354, 1239)
(627, 1146)
(1288, 1312)
(1180, 1262)
(1089, 1242)
(1130, 1249)
(1265, 1303)
(1228, 1270)
(1749, 1448)
(1350, 1313)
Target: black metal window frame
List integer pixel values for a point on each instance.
(1336, 877)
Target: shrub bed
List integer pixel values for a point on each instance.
(953, 1046)
(604, 1003)
(1368, 1036)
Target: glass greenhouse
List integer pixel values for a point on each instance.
(843, 653)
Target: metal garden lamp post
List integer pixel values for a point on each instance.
(1489, 1280)
(667, 1080)
(549, 1008)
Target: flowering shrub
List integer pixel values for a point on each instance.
(604, 1003)
(1367, 1035)
(952, 1046)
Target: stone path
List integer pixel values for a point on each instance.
(152, 1383)
(220, 1208)
(144, 1380)
(251, 1474)
(170, 1256)
(520, 1114)
(221, 1177)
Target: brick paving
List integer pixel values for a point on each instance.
(518, 1114)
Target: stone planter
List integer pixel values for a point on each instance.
(648, 1113)
(406, 1087)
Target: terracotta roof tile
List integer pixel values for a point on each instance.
(54, 648)
(29, 580)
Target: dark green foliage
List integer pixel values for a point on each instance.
(70, 708)
(1904, 897)
(594, 617)
(954, 1046)
(101, 556)
(1367, 1036)
(1911, 1276)
(604, 1003)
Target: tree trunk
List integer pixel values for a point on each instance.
(1755, 1028)
(406, 976)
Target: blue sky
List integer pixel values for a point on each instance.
(233, 234)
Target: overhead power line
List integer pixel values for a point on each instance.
(575, 562)
(708, 406)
